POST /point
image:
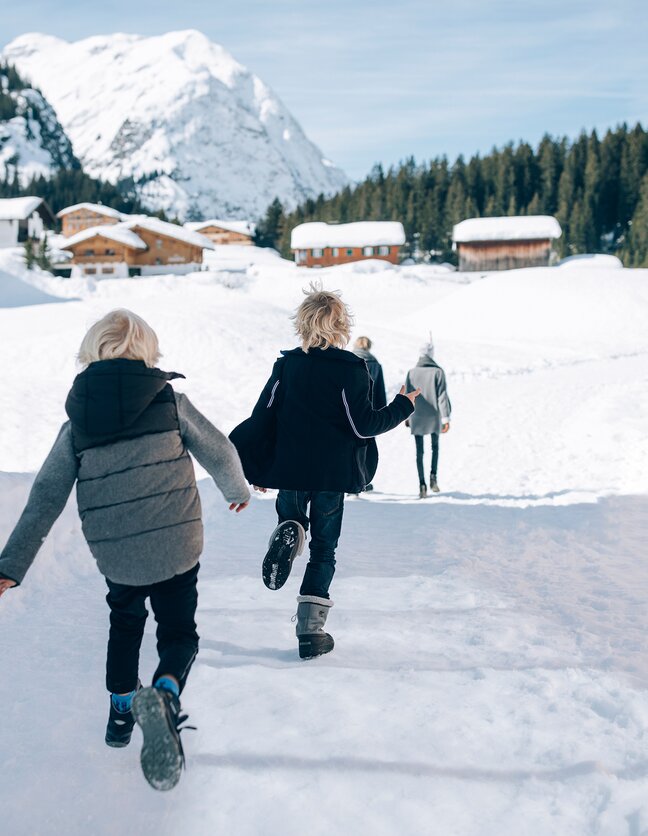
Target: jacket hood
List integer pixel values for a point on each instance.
(110, 395)
(329, 353)
(426, 360)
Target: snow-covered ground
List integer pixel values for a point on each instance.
(490, 674)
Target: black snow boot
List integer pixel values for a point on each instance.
(120, 726)
(422, 490)
(286, 542)
(157, 712)
(433, 483)
(311, 618)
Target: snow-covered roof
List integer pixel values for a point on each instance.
(18, 208)
(114, 232)
(361, 234)
(99, 208)
(518, 228)
(181, 233)
(243, 227)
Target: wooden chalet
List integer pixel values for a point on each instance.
(505, 243)
(85, 215)
(22, 218)
(225, 232)
(139, 246)
(324, 245)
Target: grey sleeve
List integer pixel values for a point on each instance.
(48, 496)
(442, 398)
(212, 450)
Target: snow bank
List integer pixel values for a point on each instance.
(520, 228)
(589, 260)
(15, 293)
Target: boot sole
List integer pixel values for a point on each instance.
(161, 757)
(117, 744)
(310, 647)
(277, 564)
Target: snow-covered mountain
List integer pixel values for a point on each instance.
(32, 141)
(198, 132)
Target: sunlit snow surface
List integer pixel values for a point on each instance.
(490, 670)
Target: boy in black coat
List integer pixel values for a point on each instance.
(311, 434)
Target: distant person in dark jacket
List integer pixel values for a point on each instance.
(311, 434)
(126, 448)
(432, 414)
(361, 348)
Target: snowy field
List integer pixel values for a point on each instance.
(490, 675)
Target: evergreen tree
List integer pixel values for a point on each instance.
(270, 228)
(636, 248)
(43, 256)
(29, 255)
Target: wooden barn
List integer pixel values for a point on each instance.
(138, 246)
(85, 215)
(22, 218)
(225, 232)
(323, 245)
(505, 243)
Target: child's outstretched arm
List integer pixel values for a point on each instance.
(364, 420)
(214, 452)
(49, 493)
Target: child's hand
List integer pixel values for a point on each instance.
(6, 584)
(238, 506)
(445, 427)
(411, 395)
(257, 488)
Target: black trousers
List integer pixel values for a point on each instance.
(322, 511)
(174, 604)
(419, 456)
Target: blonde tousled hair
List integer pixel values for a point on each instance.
(322, 320)
(120, 333)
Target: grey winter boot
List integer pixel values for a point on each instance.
(311, 618)
(433, 483)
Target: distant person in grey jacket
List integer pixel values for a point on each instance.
(126, 447)
(432, 413)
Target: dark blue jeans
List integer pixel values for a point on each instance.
(324, 518)
(419, 456)
(174, 604)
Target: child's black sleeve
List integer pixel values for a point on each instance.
(364, 420)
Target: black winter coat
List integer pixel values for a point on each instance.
(379, 395)
(313, 426)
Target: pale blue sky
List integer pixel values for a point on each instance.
(371, 80)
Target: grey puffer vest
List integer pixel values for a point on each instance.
(136, 490)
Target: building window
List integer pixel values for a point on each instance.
(317, 253)
(88, 252)
(383, 250)
(349, 252)
(110, 252)
(158, 261)
(158, 244)
(367, 251)
(335, 252)
(90, 271)
(107, 270)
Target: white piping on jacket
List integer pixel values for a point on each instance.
(274, 389)
(353, 426)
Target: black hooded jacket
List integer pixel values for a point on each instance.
(313, 426)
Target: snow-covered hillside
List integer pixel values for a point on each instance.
(32, 141)
(201, 134)
(490, 675)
